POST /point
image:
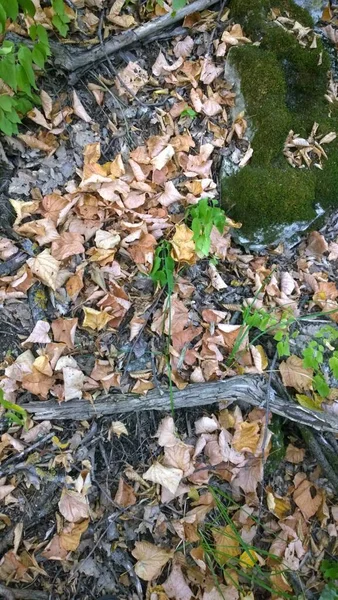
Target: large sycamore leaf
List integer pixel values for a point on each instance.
(295, 375)
(150, 559)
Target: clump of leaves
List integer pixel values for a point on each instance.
(204, 216)
(313, 357)
(163, 267)
(19, 64)
(329, 568)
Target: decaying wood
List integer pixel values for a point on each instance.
(247, 389)
(71, 59)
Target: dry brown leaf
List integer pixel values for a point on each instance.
(176, 585)
(183, 245)
(68, 244)
(64, 331)
(12, 569)
(169, 477)
(39, 334)
(227, 543)
(131, 79)
(308, 502)
(73, 380)
(295, 375)
(38, 430)
(79, 109)
(37, 383)
(118, 428)
(46, 268)
(150, 560)
(170, 194)
(209, 71)
(95, 319)
(166, 433)
(316, 244)
(184, 47)
(279, 506)
(125, 494)
(73, 506)
(294, 455)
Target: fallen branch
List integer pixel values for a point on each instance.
(28, 594)
(247, 389)
(71, 60)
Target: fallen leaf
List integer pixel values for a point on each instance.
(209, 71)
(118, 428)
(176, 586)
(79, 109)
(183, 245)
(73, 506)
(166, 433)
(95, 319)
(37, 383)
(35, 432)
(308, 502)
(227, 543)
(64, 331)
(170, 194)
(39, 334)
(125, 494)
(46, 268)
(169, 477)
(68, 244)
(150, 560)
(163, 157)
(184, 47)
(295, 375)
(132, 78)
(294, 455)
(73, 380)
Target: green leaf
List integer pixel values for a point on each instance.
(6, 48)
(5, 125)
(22, 80)
(329, 568)
(310, 403)
(43, 36)
(330, 592)
(3, 18)
(189, 112)
(38, 57)
(6, 103)
(25, 60)
(60, 25)
(178, 4)
(8, 71)
(11, 7)
(27, 7)
(319, 384)
(23, 105)
(333, 362)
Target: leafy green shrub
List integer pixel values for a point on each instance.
(205, 215)
(19, 64)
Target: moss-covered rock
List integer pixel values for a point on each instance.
(283, 85)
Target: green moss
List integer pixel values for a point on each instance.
(253, 14)
(283, 85)
(259, 192)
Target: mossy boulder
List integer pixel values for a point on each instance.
(284, 86)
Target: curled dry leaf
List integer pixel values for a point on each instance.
(295, 375)
(184, 47)
(118, 428)
(95, 319)
(183, 245)
(79, 109)
(73, 506)
(150, 560)
(169, 477)
(64, 331)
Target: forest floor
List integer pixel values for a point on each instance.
(224, 501)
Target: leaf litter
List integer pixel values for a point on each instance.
(182, 507)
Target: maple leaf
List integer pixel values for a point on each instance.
(150, 559)
(295, 375)
(46, 268)
(183, 245)
(73, 506)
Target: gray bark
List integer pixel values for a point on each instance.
(245, 389)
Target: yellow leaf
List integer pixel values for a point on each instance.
(95, 319)
(314, 403)
(227, 543)
(278, 506)
(183, 245)
(248, 558)
(59, 444)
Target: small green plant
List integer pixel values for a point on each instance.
(176, 4)
(189, 112)
(19, 64)
(329, 568)
(14, 413)
(164, 266)
(203, 217)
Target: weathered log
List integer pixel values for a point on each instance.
(72, 59)
(245, 389)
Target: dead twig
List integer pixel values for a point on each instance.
(246, 389)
